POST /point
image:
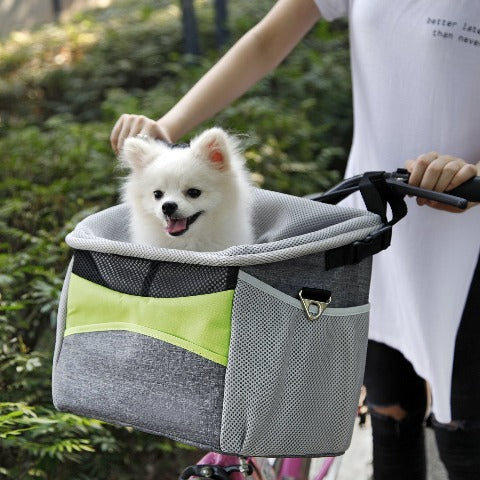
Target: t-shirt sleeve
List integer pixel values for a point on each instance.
(331, 9)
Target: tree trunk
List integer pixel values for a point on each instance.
(57, 8)
(221, 29)
(190, 30)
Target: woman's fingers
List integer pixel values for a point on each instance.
(466, 172)
(126, 131)
(114, 135)
(440, 173)
(131, 125)
(419, 167)
(447, 169)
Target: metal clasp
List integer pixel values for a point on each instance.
(314, 308)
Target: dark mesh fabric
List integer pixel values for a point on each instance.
(151, 278)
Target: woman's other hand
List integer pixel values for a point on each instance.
(440, 173)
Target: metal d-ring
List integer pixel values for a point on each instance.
(317, 306)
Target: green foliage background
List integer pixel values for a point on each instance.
(61, 89)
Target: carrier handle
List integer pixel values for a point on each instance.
(376, 191)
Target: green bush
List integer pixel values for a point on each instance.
(61, 89)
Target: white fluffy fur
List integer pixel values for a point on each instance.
(213, 165)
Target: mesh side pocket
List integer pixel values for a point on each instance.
(292, 385)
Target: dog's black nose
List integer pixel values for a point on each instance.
(168, 208)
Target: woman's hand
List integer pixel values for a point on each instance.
(131, 125)
(440, 173)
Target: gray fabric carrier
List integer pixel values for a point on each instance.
(289, 385)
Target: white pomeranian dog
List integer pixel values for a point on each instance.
(195, 197)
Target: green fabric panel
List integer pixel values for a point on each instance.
(200, 324)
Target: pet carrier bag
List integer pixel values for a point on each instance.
(257, 350)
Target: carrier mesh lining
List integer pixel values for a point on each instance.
(285, 227)
(150, 278)
(292, 385)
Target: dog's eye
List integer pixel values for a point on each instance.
(158, 194)
(194, 192)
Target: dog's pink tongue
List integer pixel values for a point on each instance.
(175, 225)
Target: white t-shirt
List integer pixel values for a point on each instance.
(416, 85)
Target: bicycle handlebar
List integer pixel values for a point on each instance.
(378, 190)
(397, 182)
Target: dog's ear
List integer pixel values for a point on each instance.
(137, 153)
(215, 146)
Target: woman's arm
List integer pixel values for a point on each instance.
(255, 55)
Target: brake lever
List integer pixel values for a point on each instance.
(398, 181)
(403, 188)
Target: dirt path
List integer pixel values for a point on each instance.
(24, 14)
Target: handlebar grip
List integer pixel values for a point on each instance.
(470, 190)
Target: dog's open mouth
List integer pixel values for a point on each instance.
(178, 226)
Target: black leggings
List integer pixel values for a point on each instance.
(398, 446)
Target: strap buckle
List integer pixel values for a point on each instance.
(357, 251)
(372, 244)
